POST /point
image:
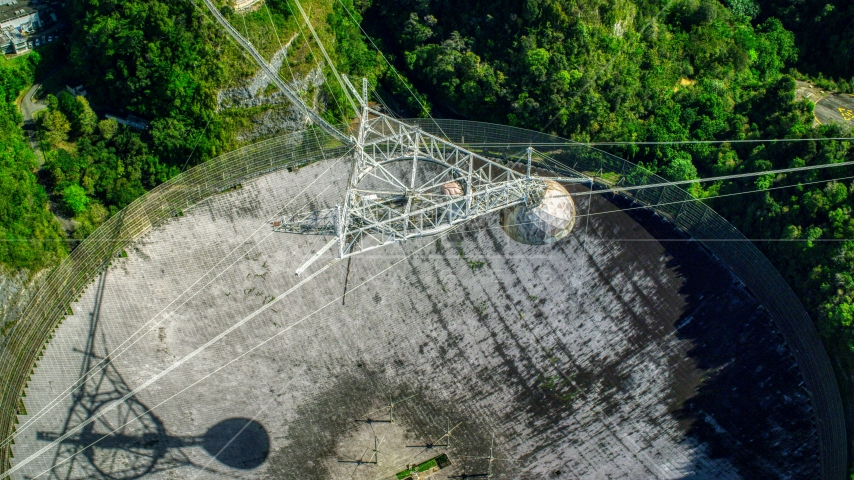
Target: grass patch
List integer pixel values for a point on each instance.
(610, 178)
(473, 264)
(559, 387)
(436, 463)
(256, 26)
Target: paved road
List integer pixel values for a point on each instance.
(30, 106)
(829, 107)
(836, 108)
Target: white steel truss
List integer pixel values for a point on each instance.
(404, 183)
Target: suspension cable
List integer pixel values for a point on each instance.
(674, 142)
(308, 45)
(326, 56)
(247, 46)
(417, 100)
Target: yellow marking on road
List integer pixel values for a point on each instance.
(847, 114)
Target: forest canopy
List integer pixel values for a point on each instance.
(29, 235)
(662, 71)
(592, 70)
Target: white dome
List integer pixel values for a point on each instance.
(549, 221)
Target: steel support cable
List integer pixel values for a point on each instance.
(710, 179)
(724, 177)
(121, 348)
(326, 56)
(592, 147)
(383, 103)
(293, 78)
(196, 352)
(279, 41)
(292, 96)
(199, 139)
(317, 61)
(692, 200)
(423, 107)
(390, 112)
(467, 127)
(674, 142)
(245, 28)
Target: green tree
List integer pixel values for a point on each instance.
(29, 235)
(680, 167)
(748, 8)
(91, 218)
(86, 120)
(74, 198)
(414, 32)
(538, 61)
(170, 137)
(68, 105)
(55, 127)
(52, 102)
(108, 128)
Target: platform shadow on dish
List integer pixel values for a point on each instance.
(126, 440)
(238, 442)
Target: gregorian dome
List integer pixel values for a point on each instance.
(544, 222)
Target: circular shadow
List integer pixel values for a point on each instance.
(238, 443)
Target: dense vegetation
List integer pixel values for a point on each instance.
(616, 70)
(102, 171)
(164, 61)
(622, 70)
(156, 60)
(29, 235)
(824, 33)
(152, 59)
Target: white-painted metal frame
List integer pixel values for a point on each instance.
(381, 206)
(395, 207)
